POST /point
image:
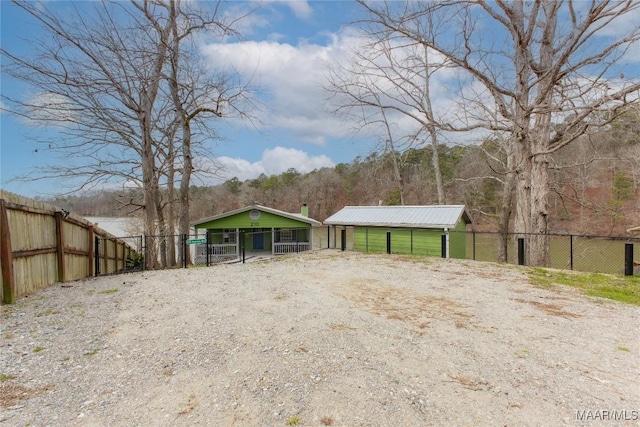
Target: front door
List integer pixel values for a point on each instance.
(258, 240)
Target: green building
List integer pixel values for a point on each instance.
(437, 230)
(255, 229)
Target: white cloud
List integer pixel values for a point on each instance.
(300, 8)
(291, 81)
(274, 161)
(622, 25)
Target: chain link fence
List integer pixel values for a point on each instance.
(118, 255)
(598, 254)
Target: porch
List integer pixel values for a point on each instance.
(225, 245)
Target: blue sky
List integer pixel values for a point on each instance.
(284, 39)
(287, 48)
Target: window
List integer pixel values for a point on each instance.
(229, 235)
(285, 236)
(291, 235)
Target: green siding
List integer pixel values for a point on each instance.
(411, 241)
(428, 242)
(243, 221)
(458, 241)
(407, 241)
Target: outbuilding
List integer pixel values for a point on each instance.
(257, 229)
(437, 230)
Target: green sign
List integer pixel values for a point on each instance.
(196, 241)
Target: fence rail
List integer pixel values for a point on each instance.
(41, 244)
(598, 254)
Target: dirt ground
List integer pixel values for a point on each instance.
(323, 338)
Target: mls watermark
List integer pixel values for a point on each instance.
(608, 415)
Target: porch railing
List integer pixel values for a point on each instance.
(221, 250)
(290, 247)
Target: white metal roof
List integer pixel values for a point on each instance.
(437, 216)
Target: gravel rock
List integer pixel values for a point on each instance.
(322, 338)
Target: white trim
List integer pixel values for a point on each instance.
(446, 233)
(238, 242)
(273, 241)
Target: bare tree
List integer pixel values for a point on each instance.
(98, 76)
(198, 93)
(521, 63)
(104, 76)
(388, 80)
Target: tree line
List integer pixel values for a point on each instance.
(538, 86)
(595, 185)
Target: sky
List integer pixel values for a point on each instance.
(286, 51)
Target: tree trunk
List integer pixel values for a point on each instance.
(184, 119)
(150, 194)
(538, 245)
(185, 181)
(162, 230)
(435, 162)
(391, 149)
(171, 214)
(433, 134)
(506, 208)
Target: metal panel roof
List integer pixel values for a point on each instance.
(437, 216)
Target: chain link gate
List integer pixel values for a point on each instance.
(165, 251)
(113, 255)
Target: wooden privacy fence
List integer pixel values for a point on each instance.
(41, 245)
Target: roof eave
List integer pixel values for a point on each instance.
(288, 215)
(392, 225)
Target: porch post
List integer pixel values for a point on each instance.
(273, 241)
(238, 242)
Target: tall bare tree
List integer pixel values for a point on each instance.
(517, 59)
(386, 81)
(102, 77)
(197, 92)
(98, 74)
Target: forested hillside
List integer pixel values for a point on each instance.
(595, 185)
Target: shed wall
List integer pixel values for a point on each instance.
(411, 241)
(407, 241)
(458, 241)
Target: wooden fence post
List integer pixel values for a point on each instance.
(60, 246)
(6, 258)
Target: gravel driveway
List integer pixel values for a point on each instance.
(324, 338)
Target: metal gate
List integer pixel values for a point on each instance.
(114, 255)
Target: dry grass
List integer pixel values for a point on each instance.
(326, 421)
(189, 406)
(341, 327)
(553, 309)
(469, 383)
(12, 393)
(401, 304)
